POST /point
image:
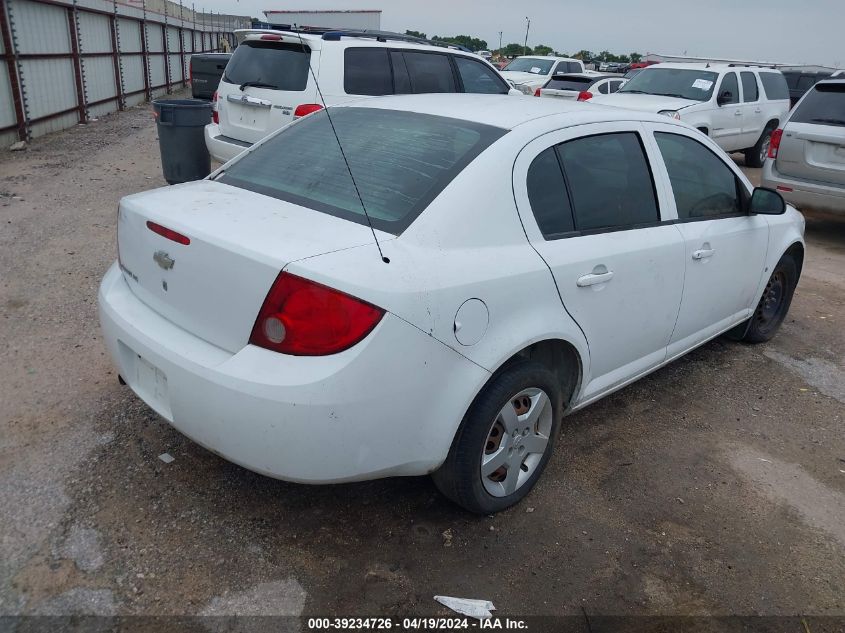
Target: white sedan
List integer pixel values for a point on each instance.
(256, 313)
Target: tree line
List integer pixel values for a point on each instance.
(513, 50)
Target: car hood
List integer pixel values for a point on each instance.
(646, 103)
(524, 78)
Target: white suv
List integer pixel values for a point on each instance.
(268, 83)
(737, 106)
(527, 73)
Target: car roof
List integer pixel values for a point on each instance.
(502, 111)
(558, 59)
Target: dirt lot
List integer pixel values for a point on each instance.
(714, 486)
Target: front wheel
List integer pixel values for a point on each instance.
(504, 441)
(775, 302)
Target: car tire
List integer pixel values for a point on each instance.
(774, 304)
(488, 435)
(756, 156)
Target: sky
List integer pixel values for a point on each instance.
(783, 31)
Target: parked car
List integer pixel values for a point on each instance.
(485, 54)
(800, 81)
(580, 86)
(254, 311)
(737, 106)
(530, 72)
(206, 69)
(807, 155)
(273, 75)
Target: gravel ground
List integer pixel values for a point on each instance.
(714, 486)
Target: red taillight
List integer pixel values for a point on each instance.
(537, 92)
(303, 318)
(271, 36)
(168, 233)
(215, 115)
(784, 189)
(774, 143)
(306, 108)
(585, 95)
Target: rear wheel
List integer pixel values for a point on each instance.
(504, 441)
(756, 156)
(775, 302)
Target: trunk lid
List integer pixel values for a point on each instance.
(239, 242)
(263, 84)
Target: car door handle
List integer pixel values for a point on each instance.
(594, 278)
(703, 253)
(757, 111)
(738, 113)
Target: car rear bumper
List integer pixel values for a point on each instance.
(804, 195)
(222, 148)
(388, 406)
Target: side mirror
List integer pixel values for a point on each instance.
(726, 96)
(766, 201)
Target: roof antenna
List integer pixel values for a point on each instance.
(386, 260)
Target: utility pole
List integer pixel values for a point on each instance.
(500, 42)
(527, 27)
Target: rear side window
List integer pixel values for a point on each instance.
(366, 71)
(806, 82)
(429, 72)
(704, 187)
(729, 84)
(400, 160)
(774, 85)
(270, 65)
(569, 83)
(823, 105)
(479, 78)
(609, 181)
(548, 196)
(749, 87)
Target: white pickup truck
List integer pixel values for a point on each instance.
(737, 106)
(528, 73)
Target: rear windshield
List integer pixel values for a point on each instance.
(823, 105)
(696, 85)
(569, 83)
(531, 65)
(400, 161)
(269, 65)
(774, 84)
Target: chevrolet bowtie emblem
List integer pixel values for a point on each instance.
(164, 260)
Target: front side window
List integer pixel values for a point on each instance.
(703, 186)
(400, 161)
(729, 89)
(478, 78)
(366, 71)
(429, 72)
(749, 87)
(696, 85)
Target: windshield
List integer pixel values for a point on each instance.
(696, 85)
(531, 65)
(400, 161)
(269, 65)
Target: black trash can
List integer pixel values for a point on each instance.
(181, 140)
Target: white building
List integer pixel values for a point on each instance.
(357, 19)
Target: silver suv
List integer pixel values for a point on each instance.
(807, 155)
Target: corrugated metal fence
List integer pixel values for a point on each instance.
(65, 62)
